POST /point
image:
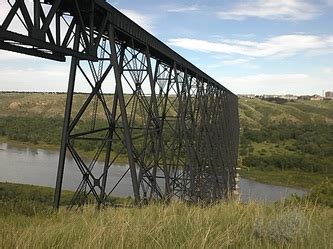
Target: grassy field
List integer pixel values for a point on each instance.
(231, 225)
(27, 221)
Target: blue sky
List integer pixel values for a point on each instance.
(250, 46)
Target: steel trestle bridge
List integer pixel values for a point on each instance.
(178, 127)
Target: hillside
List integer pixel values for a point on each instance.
(287, 144)
(255, 113)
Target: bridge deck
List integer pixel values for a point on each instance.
(127, 30)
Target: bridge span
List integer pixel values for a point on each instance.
(177, 127)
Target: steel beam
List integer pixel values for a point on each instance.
(122, 105)
(65, 129)
(178, 127)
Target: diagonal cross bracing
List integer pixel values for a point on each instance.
(176, 127)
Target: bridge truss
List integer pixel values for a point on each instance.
(177, 127)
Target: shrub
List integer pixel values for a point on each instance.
(283, 228)
(322, 193)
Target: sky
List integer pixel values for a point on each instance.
(249, 46)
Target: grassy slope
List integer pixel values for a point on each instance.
(27, 199)
(253, 114)
(256, 114)
(175, 226)
(27, 222)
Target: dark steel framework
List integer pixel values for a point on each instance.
(178, 127)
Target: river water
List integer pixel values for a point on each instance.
(38, 167)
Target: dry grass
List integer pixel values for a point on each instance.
(231, 225)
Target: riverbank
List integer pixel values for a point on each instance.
(32, 224)
(121, 159)
(39, 167)
(23, 199)
(288, 178)
(22, 144)
(29, 200)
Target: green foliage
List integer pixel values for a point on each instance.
(23, 207)
(306, 147)
(322, 194)
(291, 161)
(289, 143)
(27, 200)
(35, 130)
(47, 130)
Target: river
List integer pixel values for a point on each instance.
(38, 167)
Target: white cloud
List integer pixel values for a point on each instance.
(241, 62)
(235, 62)
(6, 56)
(272, 9)
(145, 21)
(183, 9)
(281, 46)
(51, 78)
(275, 84)
(328, 71)
(282, 79)
(329, 2)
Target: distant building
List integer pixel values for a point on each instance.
(316, 97)
(289, 97)
(329, 95)
(248, 96)
(267, 96)
(304, 97)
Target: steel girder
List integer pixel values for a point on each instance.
(48, 28)
(178, 128)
